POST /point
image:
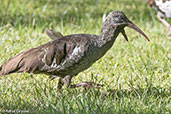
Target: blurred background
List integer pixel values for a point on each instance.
(45, 13)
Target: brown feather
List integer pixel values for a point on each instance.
(32, 60)
(11, 65)
(53, 34)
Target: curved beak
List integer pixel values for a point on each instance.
(133, 26)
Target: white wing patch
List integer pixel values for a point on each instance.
(74, 57)
(54, 65)
(76, 51)
(44, 57)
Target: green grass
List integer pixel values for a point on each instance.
(136, 74)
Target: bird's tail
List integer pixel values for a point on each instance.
(11, 66)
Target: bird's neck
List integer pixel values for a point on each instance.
(107, 36)
(105, 41)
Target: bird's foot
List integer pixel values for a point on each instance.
(66, 80)
(87, 85)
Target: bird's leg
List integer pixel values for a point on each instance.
(52, 77)
(60, 83)
(165, 23)
(31, 75)
(67, 80)
(87, 84)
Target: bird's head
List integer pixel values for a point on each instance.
(118, 20)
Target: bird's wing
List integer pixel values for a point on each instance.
(35, 59)
(53, 34)
(46, 57)
(164, 7)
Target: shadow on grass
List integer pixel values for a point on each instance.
(140, 92)
(92, 100)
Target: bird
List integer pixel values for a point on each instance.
(163, 8)
(55, 35)
(67, 56)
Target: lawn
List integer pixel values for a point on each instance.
(136, 74)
